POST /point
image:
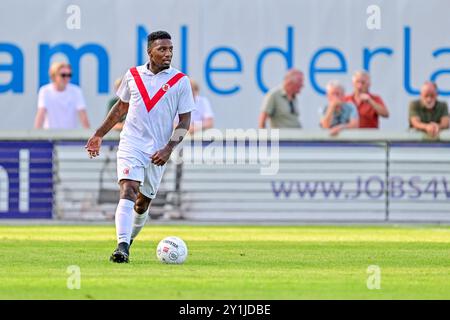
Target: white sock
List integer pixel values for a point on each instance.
(124, 220)
(139, 223)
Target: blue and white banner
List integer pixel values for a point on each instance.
(235, 49)
(26, 179)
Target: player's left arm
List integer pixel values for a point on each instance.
(162, 156)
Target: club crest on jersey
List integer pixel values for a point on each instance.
(126, 171)
(165, 87)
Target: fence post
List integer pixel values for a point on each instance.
(387, 177)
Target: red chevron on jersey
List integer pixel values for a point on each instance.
(151, 102)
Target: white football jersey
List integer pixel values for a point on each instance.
(149, 131)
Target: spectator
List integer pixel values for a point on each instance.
(59, 102)
(280, 104)
(338, 114)
(428, 114)
(370, 107)
(202, 117)
(119, 125)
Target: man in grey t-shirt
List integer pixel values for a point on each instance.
(280, 103)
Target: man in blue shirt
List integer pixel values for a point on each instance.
(338, 114)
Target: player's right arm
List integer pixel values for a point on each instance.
(114, 116)
(118, 110)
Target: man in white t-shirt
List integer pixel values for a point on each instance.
(151, 95)
(202, 117)
(60, 103)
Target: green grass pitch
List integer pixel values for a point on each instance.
(229, 262)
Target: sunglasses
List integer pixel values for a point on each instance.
(66, 75)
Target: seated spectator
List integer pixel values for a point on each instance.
(60, 102)
(202, 117)
(280, 103)
(428, 114)
(119, 125)
(370, 106)
(338, 114)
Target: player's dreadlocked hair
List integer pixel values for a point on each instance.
(156, 36)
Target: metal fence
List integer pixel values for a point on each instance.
(360, 176)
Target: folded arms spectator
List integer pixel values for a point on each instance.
(428, 114)
(338, 114)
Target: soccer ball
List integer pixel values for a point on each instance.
(172, 250)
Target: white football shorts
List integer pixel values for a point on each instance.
(138, 167)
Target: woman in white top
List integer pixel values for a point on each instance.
(60, 102)
(202, 117)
